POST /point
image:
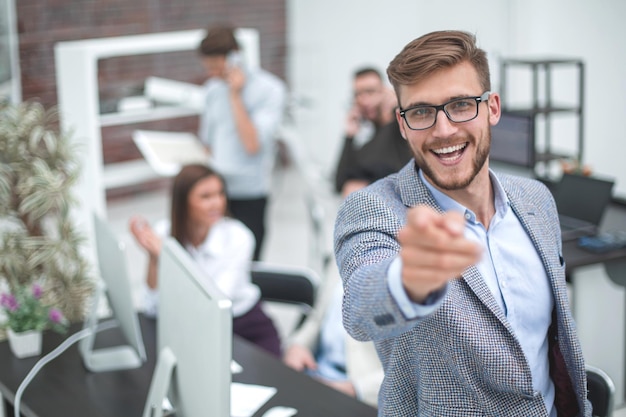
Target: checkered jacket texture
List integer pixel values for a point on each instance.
(464, 359)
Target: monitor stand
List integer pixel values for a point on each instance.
(157, 401)
(105, 359)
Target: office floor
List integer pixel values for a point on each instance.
(289, 239)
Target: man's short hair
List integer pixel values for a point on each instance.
(366, 71)
(434, 51)
(219, 40)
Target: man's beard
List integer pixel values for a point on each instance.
(478, 162)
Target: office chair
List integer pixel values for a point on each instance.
(286, 284)
(319, 256)
(600, 391)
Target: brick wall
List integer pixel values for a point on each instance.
(42, 23)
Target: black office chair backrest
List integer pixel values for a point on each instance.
(284, 283)
(600, 391)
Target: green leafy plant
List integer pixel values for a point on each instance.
(25, 310)
(38, 240)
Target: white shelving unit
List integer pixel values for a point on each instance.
(78, 95)
(10, 81)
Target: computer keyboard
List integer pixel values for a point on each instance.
(603, 242)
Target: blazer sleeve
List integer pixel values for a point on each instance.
(365, 246)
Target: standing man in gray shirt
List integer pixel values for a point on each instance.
(243, 110)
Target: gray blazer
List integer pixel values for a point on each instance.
(463, 360)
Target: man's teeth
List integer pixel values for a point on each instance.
(449, 149)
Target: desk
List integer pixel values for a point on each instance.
(594, 301)
(576, 257)
(64, 388)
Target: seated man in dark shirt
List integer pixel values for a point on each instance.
(373, 146)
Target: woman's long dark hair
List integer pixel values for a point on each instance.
(188, 176)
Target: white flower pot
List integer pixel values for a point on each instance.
(25, 344)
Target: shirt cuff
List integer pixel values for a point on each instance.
(410, 309)
(150, 301)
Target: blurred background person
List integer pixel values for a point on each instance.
(373, 146)
(222, 246)
(244, 107)
(322, 348)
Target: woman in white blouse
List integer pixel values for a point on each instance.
(221, 245)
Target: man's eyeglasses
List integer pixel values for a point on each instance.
(458, 110)
(366, 92)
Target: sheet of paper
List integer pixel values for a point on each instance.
(167, 152)
(246, 399)
(235, 368)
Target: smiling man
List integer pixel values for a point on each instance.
(454, 271)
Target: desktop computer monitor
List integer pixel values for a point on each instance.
(194, 340)
(513, 140)
(115, 286)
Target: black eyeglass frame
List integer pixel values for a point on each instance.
(484, 97)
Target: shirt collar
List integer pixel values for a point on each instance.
(447, 203)
(210, 247)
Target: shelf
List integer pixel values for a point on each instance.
(122, 174)
(147, 115)
(544, 110)
(542, 61)
(144, 44)
(550, 156)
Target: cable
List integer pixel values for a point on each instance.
(53, 355)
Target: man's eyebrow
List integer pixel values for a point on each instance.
(416, 104)
(424, 103)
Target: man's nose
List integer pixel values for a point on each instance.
(443, 126)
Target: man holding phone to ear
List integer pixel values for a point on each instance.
(373, 147)
(244, 108)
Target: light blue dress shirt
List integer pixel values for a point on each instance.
(264, 96)
(331, 355)
(514, 273)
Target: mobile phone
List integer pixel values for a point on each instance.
(234, 59)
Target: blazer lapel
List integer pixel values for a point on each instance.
(412, 189)
(534, 222)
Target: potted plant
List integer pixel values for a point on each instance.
(27, 316)
(38, 241)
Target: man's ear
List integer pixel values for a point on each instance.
(401, 124)
(494, 108)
